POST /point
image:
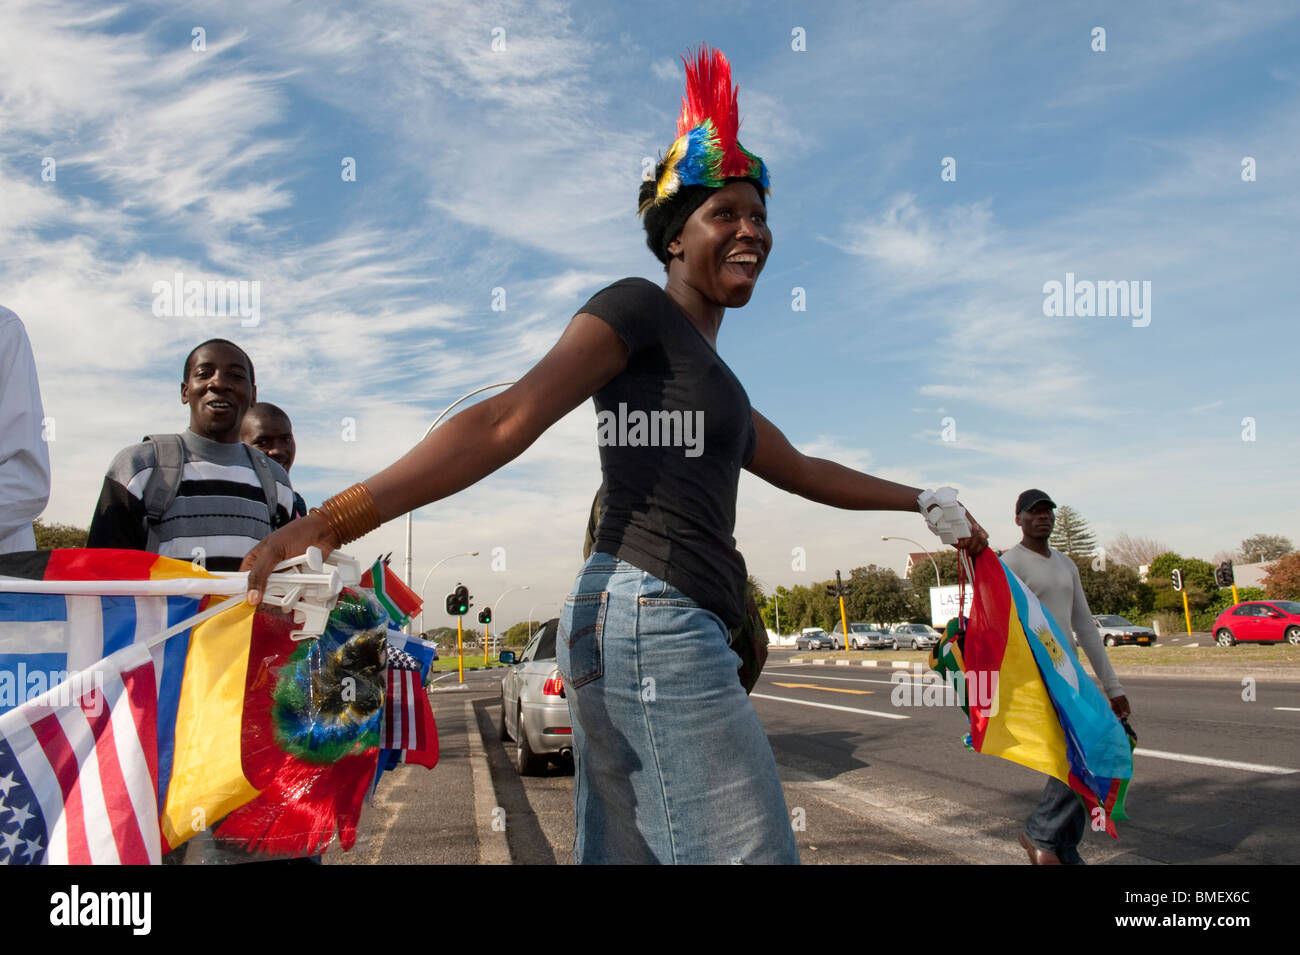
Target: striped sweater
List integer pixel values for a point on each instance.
(220, 509)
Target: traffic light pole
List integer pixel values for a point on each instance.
(460, 652)
(839, 590)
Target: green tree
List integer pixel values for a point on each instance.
(55, 536)
(922, 575)
(1115, 588)
(1262, 547)
(1071, 535)
(1198, 581)
(518, 635)
(445, 638)
(879, 596)
(775, 610)
(1282, 580)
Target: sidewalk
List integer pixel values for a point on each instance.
(439, 816)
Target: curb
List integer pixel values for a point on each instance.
(894, 664)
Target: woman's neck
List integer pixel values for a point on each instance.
(703, 314)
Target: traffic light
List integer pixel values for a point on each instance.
(839, 588)
(485, 615)
(458, 602)
(1177, 577)
(1223, 576)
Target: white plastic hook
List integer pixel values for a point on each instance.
(310, 587)
(944, 515)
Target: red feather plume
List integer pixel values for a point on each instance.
(710, 95)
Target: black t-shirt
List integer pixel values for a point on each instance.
(674, 430)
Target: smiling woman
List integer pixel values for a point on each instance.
(671, 760)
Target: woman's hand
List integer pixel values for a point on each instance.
(978, 540)
(292, 540)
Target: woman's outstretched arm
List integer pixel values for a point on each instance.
(779, 463)
(472, 444)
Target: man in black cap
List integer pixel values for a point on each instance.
(1053, 833)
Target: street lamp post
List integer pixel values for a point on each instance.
(436, 421)
(938, 581)
(548, 603)
(497, 606)
(425, 585)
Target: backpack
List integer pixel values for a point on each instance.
(165, 481)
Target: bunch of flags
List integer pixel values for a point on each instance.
(116, 746)
(1044, 711)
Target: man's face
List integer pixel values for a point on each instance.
(219, 390)
(1037, 521)
(271, 434)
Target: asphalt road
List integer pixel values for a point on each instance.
(1217, 779)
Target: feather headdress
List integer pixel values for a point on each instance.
(706, 151)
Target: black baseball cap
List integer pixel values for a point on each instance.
(1028, 499)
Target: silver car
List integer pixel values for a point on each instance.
(534, 711)
(915, 636)
(863, 636)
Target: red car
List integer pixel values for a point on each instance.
(1270, 621)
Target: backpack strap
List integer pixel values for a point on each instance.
(164, 483)
(262, 465)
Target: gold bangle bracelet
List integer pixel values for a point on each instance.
(350, 514)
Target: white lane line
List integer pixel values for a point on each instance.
(1288, 709)
(828, 706)
(839, 679)
(1209, 761)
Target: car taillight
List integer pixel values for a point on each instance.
(553, 686)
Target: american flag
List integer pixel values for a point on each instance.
(408, 715)
(79, 769)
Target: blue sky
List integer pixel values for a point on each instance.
(516, 168)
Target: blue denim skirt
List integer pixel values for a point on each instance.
(671, 761)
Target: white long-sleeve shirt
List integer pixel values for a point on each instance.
(1055, 582)
(24, 457)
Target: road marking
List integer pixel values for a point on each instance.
(838, 679)
(828, 689)
(1210, 761)
(1289, 709)
(829, 706)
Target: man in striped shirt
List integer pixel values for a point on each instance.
(201, 495)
